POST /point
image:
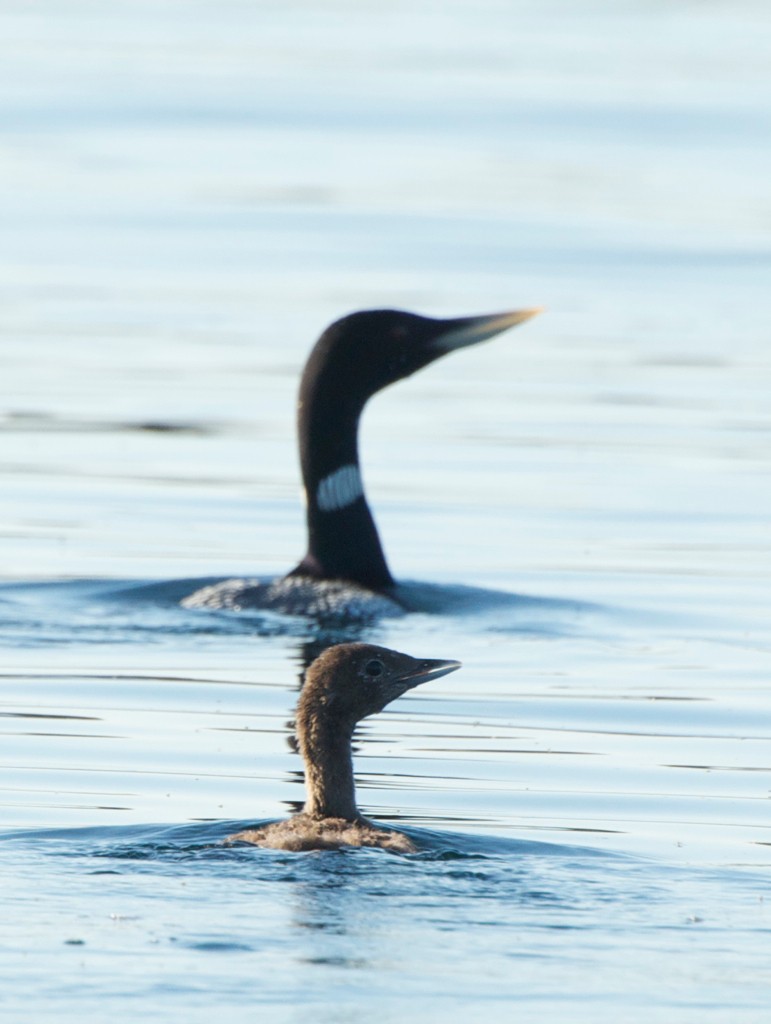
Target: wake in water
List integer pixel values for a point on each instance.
(193, 841)
(130, 611)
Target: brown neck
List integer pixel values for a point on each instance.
(326, 749)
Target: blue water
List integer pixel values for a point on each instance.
(190, 193)
(189, 927)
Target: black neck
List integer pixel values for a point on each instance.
(343, 541)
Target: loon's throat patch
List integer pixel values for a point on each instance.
(339, 489)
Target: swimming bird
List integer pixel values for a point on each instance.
(344, 684)
(344, 567)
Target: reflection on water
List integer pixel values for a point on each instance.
(196, 923)
(593, 724)
(187, 202)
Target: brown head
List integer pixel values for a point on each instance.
(343, 685)
(348, 682)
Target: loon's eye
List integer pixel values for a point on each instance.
(373, 668)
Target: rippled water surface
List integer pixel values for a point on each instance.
(190, 193)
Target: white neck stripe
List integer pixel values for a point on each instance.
(340, 488)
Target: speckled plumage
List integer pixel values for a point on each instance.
(298, 595)
(302, 832)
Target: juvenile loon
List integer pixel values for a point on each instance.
(353, 359)
(343, 685)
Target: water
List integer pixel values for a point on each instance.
(190, 193)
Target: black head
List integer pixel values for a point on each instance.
(350, 681)
(364, 352)
(354, 358)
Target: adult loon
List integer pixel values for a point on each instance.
(344, 569)
(343, 685)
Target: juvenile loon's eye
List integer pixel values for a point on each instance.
(373, 668)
